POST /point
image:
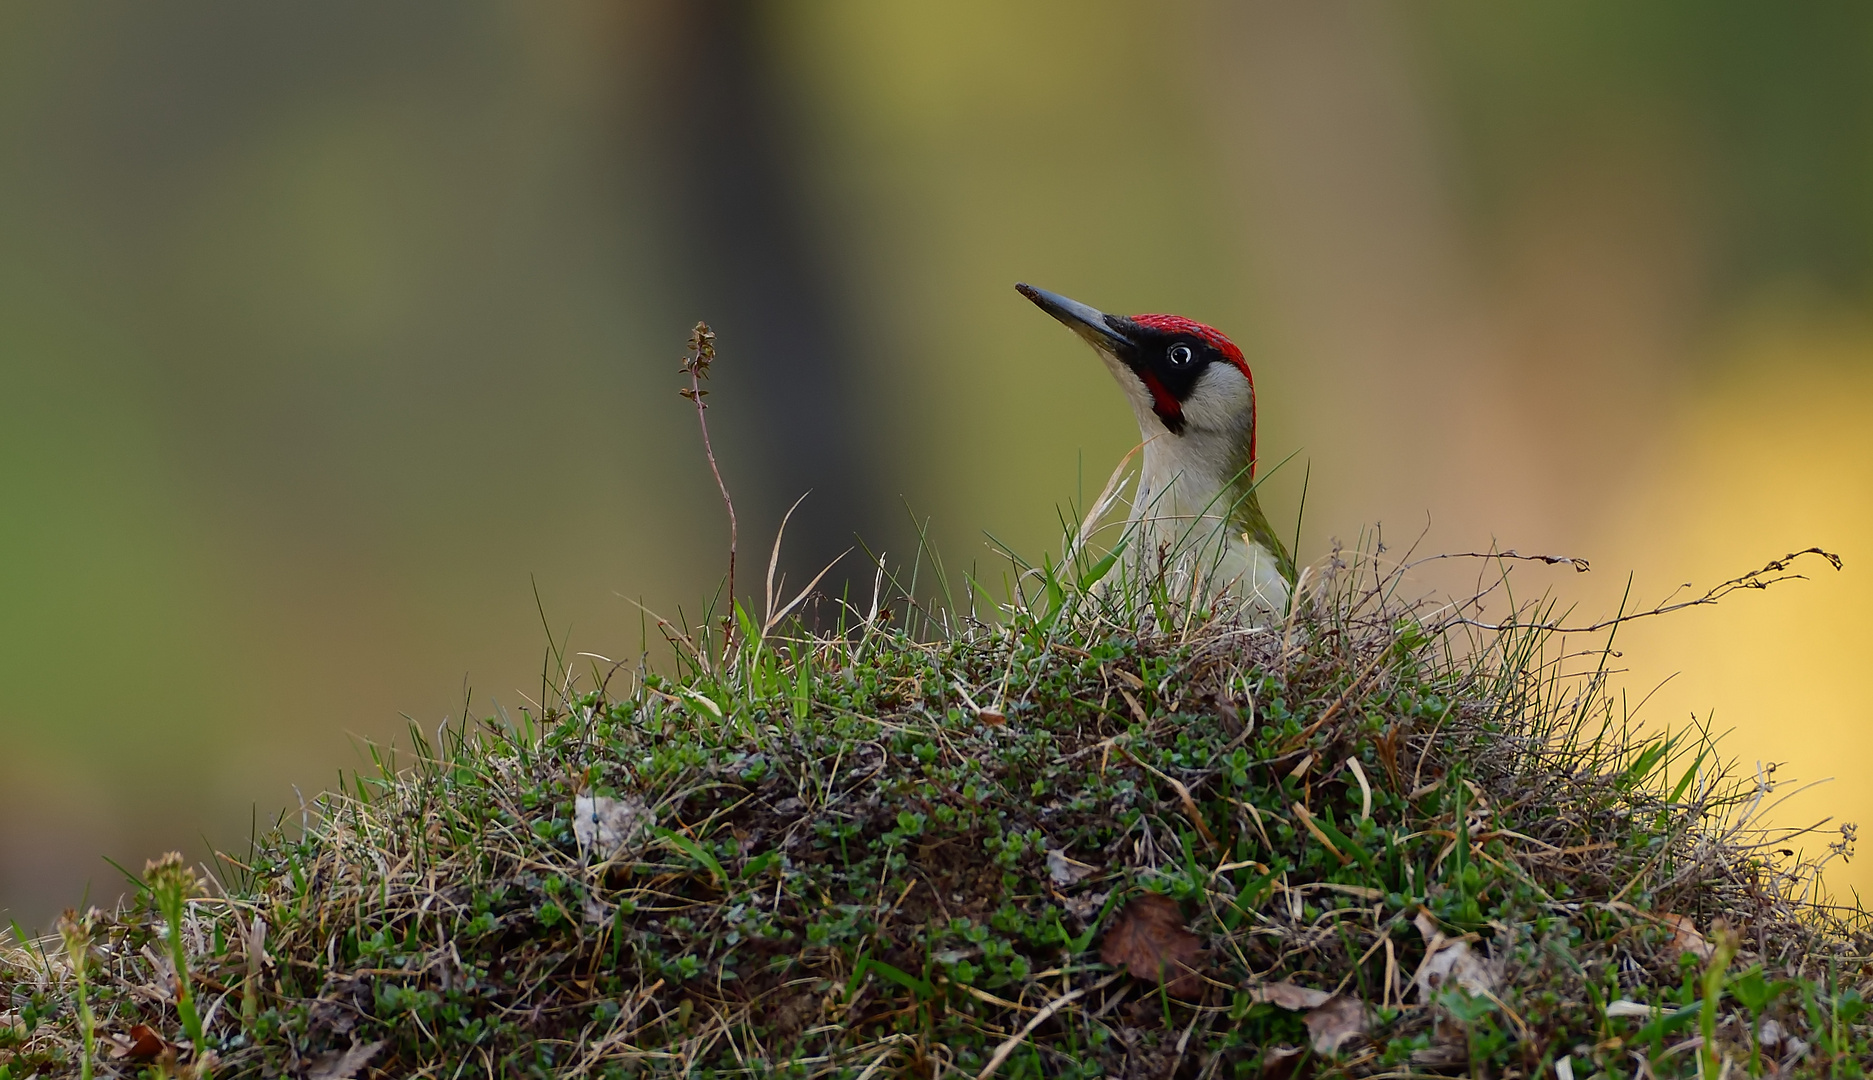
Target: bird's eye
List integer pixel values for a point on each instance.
(1180, 355)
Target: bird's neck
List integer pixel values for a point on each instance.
(1200, 486)
(1197, 475)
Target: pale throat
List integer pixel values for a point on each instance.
(1190, 476)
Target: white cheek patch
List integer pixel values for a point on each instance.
(1223, 398)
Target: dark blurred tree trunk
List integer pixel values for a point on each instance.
(745, 257)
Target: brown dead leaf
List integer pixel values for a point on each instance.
(1455, 963)
(1289, 996)
(1280, 1062)
(1149, 939)
(343, 1064)
(141, 1044)
(1332, 1020)
(1686, 939)
(1067, 871)
(606, 824)
(1336, 1022)
(1449, 960)
(1084, 909)
(596, 911)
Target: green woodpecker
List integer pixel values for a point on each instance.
(1195, 506)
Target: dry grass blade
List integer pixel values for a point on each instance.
(1046, 1013)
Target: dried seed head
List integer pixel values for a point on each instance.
(169, 875)
(76, 930)
(701, 351)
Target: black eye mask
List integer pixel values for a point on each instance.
(1169, 364)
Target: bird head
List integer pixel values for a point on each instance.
(1182, 378)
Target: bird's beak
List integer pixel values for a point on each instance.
(1107, 333)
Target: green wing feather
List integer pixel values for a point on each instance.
(1249, 518)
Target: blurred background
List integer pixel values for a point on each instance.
(332, 334)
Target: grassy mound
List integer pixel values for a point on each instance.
(1104, 837)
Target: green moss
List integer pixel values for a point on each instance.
(880, 848)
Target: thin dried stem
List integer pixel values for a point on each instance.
(696, 366)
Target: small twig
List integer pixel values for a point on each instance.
(1755, 579)
(696, 366)
(1580, 565)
